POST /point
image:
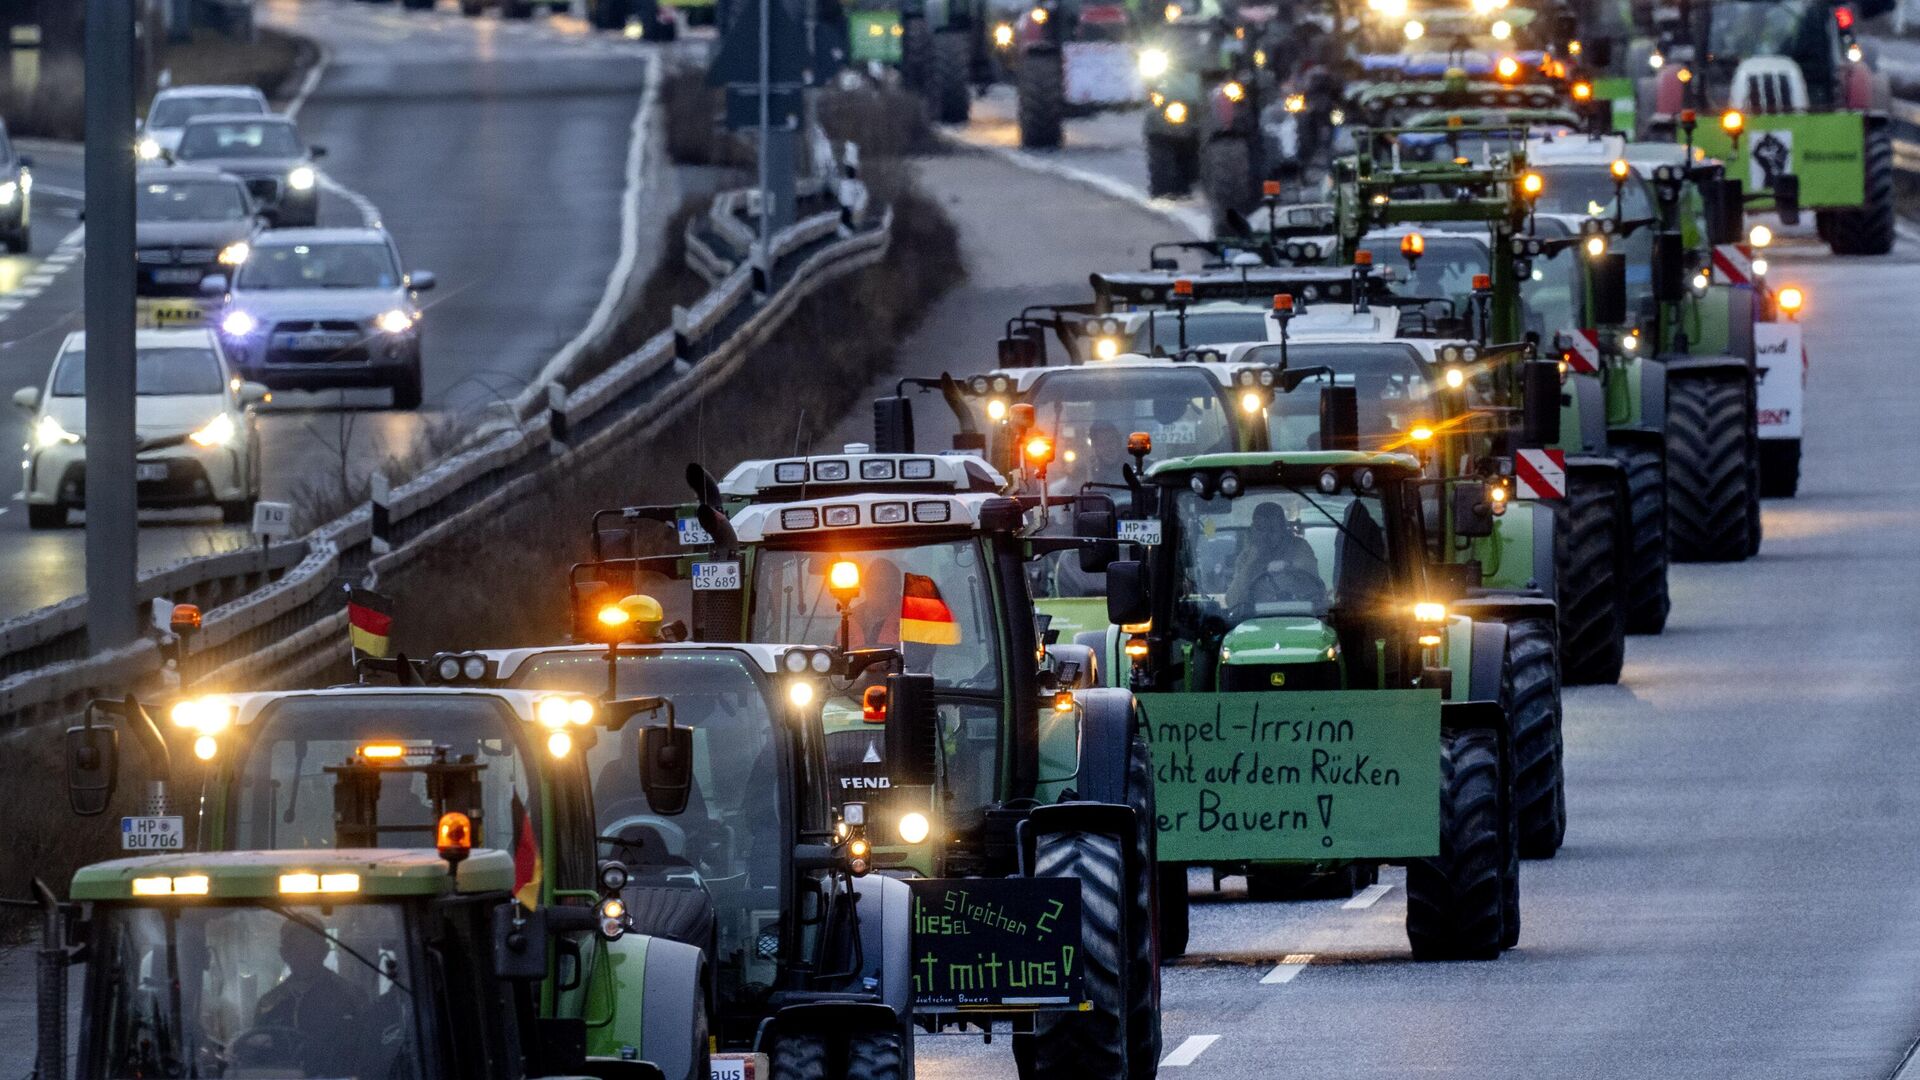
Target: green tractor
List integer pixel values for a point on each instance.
(1178, 61)
(984, 761)
(333, 962)
(1072, 57)
(397, 767)
(1794, 97)
(1308, 695)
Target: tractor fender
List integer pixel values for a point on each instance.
(1653, 397)
(674, 985)
(1590, 406)
(1108, 719)
(1474, 716)
(1524, 537)
(1507, 608)
(1682, 366)
(840, 1018)
(885, 913)
(1484, 667)
(1595, 463)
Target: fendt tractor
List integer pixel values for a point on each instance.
(330, 962)
(990, 769)
(1797, 98)
(398, 767)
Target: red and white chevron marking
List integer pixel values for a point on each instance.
(1540, 474)
(1582, 351)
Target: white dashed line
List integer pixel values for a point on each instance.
(1188, 1052)
(1287, 969)
(1367, 897)
(41, 280)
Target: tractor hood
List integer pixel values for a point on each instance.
(1279, 639)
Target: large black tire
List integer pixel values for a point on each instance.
(799, 1055)
(1143, 918)
(1530, 688)
(1593, 623)
(948, 91)
(1095, 1042)
(876, 1055)
(1176, 911)
(1042, 83)
(1868, 230)
(1226, 175)
(1709, 518)
(1456, 901)
(1779, 468)
(1170, 166)
(916, 53)
(1646, 558)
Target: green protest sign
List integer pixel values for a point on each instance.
(996, 943)
(1298, 775)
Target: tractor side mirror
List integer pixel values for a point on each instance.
(1472, 513)
(1726, 211)
(1669, 268)
(913, 732)
(1021, 349)
(1127, 597)
(93, 767)
(1095, 518)
(1540, 403)
(519, 945)
(1339, 419)
(1164, 263)
(1610, 289)
(666, 767)
(892, 425)
(1786, 198)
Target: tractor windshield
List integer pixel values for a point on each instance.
(1444, 272)
(1160, 334)
(1091, 410)
(283, 796)
(1390, 384)
(254, 990)
(1553, 294)
(1738, 29)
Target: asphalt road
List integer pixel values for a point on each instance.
(495, 151)
(1740, 891)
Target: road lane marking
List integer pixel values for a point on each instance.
(1287, 969)
(73, 194)
(1367, 897)
(1188, 1052)
(37, 280)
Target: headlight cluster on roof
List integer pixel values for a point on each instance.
(849, 515)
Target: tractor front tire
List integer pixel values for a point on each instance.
(876, 1055)
(1095, 1042)
(799, 1055)
(1709, 518)
(1646, 583)
(1456, 902)
(1531, 689)
(1868, 229)
(1226, 175)
(949, 94)
(1593, 623)
(1171, 165)
(1042, 84)
(1779, 468)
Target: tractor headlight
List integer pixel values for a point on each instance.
(1003, 36)
(914, 827)
(1153, 63)
(1176, 112)
(218, 431)
(1106, 348)
(48, 432)
(302, 178)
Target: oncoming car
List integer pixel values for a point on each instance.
(315, 309)
(265, 152)
(198, 441)
(171, 109)
(187, 224)
(16, 196)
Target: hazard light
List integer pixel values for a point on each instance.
(1732, 122)
(1508, 68)
(1791, 299)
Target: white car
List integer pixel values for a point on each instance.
(171, 109)
(199, 442)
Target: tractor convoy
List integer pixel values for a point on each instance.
(1268, 560)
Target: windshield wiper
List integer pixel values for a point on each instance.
(1379, 557)
(316, 929)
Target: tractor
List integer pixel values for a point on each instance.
(1072, 57)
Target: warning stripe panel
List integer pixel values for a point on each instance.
(1733, 263)
(1540, 474)
(1582, 351)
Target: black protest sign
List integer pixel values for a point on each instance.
(1005, 943)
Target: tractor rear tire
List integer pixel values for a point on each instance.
(1646, 583)
(876, 1055)
(1531, 689)
(1868, 230)
(1095, 1042)
(1456, 901)
(916, 53)
(1171, 164)
(1176, 911)
(949, 94)
(1042, 83)
(1709, 518)
(1226, 175)
(1143, 917)
(1593, 623)
(799, 1055)
(1779, 468)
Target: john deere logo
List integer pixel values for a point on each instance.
(1278, 678)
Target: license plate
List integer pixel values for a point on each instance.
(739, 1067)
(716, 576)
(161, 315)
(150, 472)
(691, 534)
(177, 275)
(315, 342)
(1137, 531)
(153, 833)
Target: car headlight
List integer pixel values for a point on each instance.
(218, 432)
(301, 178)
(238, 324)
(235, 253)
(1153, 63)
(9, 191)
(395, 322)
(48, 432)
(1003, 36)
(147, 149)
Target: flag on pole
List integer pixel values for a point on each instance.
(369, 621)
(526, 857)
(924, 615)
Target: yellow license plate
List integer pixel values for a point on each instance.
(171, 314)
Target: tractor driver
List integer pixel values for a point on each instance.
(1274, 563)
(313, 1016)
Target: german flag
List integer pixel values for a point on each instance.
(369, 621)
(924, 616)
(526, 857)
